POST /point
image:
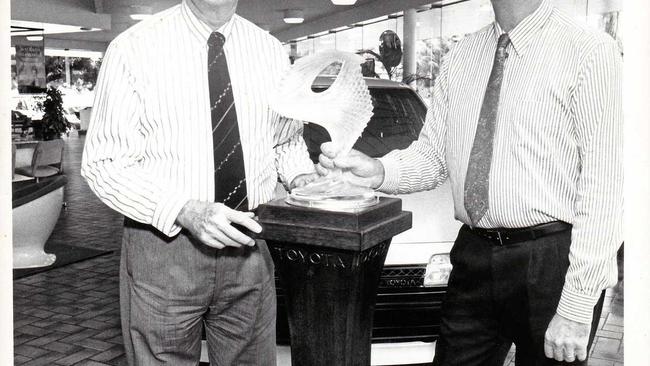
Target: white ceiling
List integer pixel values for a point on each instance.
(106, 14)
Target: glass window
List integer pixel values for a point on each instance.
(606, 16)
(575, 8)
(287, 49)
(399, 27)
(438, 30)
(350, 40)
(428, 24)
(304, 48)
(371, 33)
(325, 42)
(467, 17)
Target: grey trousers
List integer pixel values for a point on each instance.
(170, 289)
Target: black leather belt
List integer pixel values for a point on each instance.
(502, 236)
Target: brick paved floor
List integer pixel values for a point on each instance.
(70, 315)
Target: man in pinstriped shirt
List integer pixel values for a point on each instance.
(182, 142)
(526, 122)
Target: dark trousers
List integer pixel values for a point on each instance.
(170, 289)
(498, 295)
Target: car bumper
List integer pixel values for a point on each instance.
(383, 354)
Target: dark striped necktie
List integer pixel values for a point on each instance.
(478, 169)
(229, 174)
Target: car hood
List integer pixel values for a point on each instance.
(434, 227)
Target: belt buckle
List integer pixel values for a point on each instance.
(500, 238)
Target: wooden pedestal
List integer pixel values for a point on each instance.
(329, 265)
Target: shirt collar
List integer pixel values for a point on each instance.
(524, 33)
(199, 29)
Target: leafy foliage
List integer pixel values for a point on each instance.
(53, 123)
(80, 67)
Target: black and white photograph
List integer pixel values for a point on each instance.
(324, 183)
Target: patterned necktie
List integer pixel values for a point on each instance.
(480, 159)
(229, 174)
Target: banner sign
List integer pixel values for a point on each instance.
(30, 67)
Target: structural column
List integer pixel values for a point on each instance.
(409, 59)
(68, 79)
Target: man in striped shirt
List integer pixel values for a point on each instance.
(182, 142)
(526, 122)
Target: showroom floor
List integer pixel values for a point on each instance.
(70, 315)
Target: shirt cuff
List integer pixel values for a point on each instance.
(577, 306)
(390, 184)
(165, 214)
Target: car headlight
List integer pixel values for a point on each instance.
(438, 270)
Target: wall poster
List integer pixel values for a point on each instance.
(30, 68)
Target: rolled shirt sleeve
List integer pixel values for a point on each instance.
(422, 166)
(291, 155)
(597, 228)
(112, 162)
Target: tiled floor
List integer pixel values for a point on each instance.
(70, 315)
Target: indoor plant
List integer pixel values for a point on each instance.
(53, 123)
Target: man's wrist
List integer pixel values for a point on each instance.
(390, 175)
(381, 174)
(186, 213)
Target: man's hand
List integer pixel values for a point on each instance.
(303, 180)
(210, 223)
(357, 167)
(566, 340)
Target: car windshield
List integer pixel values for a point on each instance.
(398, 116)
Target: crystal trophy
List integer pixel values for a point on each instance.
(344, 110)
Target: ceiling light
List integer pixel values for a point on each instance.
(29, 28)
(139, 12)
(344, 2)
(293, 16)
(139, 16)
(34, 38)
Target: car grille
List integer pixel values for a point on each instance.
(405, 310)
(402, 277)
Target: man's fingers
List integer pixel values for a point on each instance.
(303, 180)
(237, 235)
(558, 352)
(347, 162)
(244, 219)
(210, 241)
(569, 354)
(563, 351)
(329, 149)
(322, 170)
(581, 353)
(548, 348)
(326, 162)
(355, 161)
(225, 240)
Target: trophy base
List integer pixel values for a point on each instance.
(330, 193)
(340, 203)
